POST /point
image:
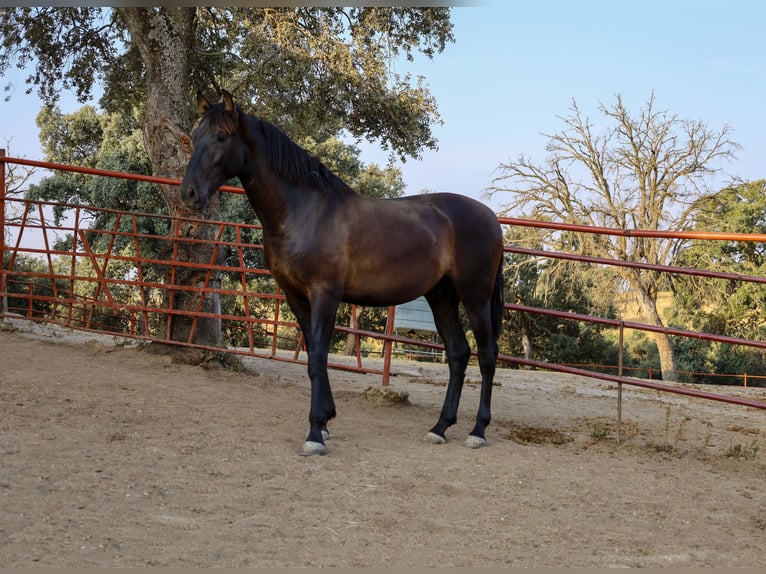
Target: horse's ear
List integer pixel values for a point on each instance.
(228, 101)
(202, 103)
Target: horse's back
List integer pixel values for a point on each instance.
(475, 227)
(398, 249)
(466, 213)
(440, 221)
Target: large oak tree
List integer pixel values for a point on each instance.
(646, 170)
(314, 71)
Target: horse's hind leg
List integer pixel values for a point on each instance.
(444, 304)
(486, 342)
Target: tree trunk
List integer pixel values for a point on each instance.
(164, 37)
(648, 307)
(526, 341)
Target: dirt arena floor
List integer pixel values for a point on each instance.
(112, 456)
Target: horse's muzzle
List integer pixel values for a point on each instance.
(190, 197)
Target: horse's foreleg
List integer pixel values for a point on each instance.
(318, 345)
(322, 404)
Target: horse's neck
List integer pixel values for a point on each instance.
(279, 204)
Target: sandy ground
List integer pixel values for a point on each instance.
(112, 456)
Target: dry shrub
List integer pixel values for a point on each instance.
(386, 397)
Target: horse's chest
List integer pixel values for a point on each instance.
(297, 263)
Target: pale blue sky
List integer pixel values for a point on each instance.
(516, 66)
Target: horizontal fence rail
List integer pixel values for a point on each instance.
(118, 281)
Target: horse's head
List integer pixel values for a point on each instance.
(219, 152)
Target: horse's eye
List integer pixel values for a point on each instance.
(221, 137)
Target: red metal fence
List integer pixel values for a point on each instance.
(114, 281)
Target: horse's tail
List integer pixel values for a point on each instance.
(497, 306)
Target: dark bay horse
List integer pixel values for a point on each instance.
(324, 244)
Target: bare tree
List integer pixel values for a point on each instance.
(15, 179)
(640, 172)
(16, 176)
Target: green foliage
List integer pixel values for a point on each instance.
(645, 170)
(726, 307)
(313, 71)
(69, 47)
(114, 142)
(736, 308)
(742, 451)
(72, 138)
(106, 141)
(20, 285)
(727, 359)
(547, 283)
(641, 356)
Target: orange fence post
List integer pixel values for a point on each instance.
(4, 303)
(111, 286)
(243, 281)
(357, 338)
(620, 361)
(388, 345)
(275, 325)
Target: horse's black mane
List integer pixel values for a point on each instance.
(286, 157)
(295, 164)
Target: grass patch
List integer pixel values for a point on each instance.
(742, 451)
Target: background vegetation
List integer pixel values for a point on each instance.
(324, 74)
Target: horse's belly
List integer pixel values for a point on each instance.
(386, 286)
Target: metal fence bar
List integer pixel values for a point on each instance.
(3, 287)
(147, 286)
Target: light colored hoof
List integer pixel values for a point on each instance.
(325, 434)
(435, 438)
(475, 441)
(310, 448)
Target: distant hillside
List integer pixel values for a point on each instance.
(628, 308)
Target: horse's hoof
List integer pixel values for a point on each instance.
(475, 441)
(310, 448)
(435, 438)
